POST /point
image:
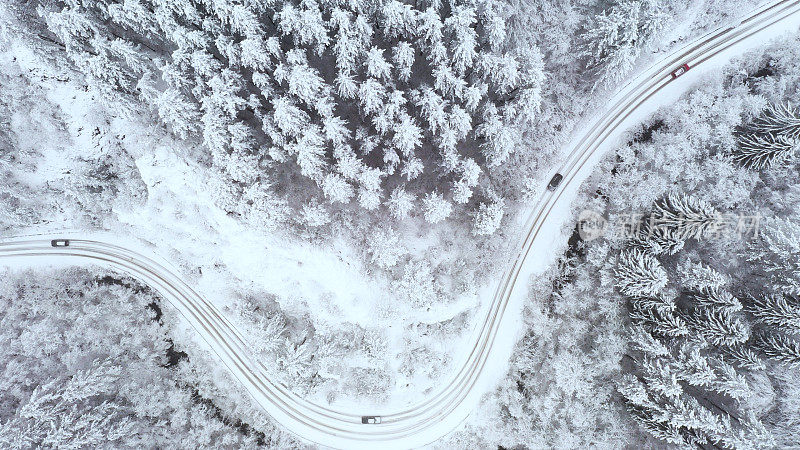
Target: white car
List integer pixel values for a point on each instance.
(60, 243)
(371, 419)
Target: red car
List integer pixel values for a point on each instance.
(680, 70)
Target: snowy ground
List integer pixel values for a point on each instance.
(324, 283)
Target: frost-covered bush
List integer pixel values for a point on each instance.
(488, 218)
(386, 248)
(418, 284)
(355, 98)
(89, 361)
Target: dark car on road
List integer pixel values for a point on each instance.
(371, 419)
(60, 243)
(554, 182)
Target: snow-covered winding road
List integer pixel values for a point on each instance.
(426, 421)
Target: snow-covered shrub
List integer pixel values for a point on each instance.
(488, 218)
(417, 285)
(385, 246)
(90, 361)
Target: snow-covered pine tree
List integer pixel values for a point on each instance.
(647, 411)
(178, 112)
(659, 302)
(779, 119)
(689, 216)
(639, 274)
(498, 141)
(615, 38)
(743, 356)
(660, 404)
(779, 347)
(658, 238)
(336, 188)
(262, 208)
(659, 321)
(776, 255)
(729, 382)
(719, 327)
(611, 38)
(714, 299)
(777, 311)
(762, 151)
(698, 276)
(682, 396)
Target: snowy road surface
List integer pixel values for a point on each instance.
(451, 403)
